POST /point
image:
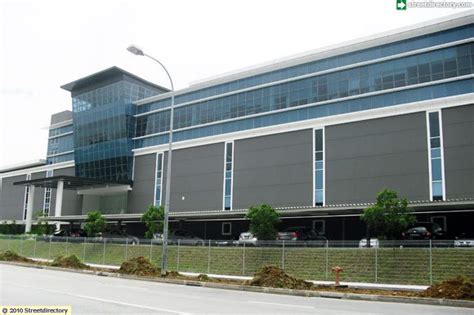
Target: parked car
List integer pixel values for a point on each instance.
(464, 242)
(61, 235)
(247, 239)
(374, 243)
(300, 233)
(118, 237)
(185, 237)
(424, 231)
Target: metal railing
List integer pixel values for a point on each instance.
(401, 262)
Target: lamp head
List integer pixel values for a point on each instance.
(135, 50)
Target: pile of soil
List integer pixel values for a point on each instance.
(12, 256)
(203, 277)
(274, 277)
(139, 266)
(69, 262)
(457, 288)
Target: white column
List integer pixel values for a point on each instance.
(29, 208)
(59, 201)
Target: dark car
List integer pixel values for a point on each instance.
(64, 235)
(424, 231)
(300, 233)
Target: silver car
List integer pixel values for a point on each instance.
(184, 237)
(247, 238)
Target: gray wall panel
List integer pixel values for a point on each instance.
(458, 138)
(72, 202)
(12, 198)
(143, 191)
(197, 175)
(362, 158)
(61, 116)
(274, 169)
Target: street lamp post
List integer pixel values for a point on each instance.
(164, 261)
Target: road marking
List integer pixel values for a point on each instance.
(280, 304)
(127, 304)
(100, 299)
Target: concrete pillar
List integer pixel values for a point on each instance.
(29, 208)
(59, 201)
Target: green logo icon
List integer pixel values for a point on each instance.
(401, 4)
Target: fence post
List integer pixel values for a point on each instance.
(9, 240)
(34, 246)
(431, 263)
(151, 249)
(243, 260)
(49, 249)
(84, 249)
(177, 257)
(209, 258)
(21, 244)
(327, 259)
(283, 255)
(103, 254)
(376, 264)
(67, 252)
(126, 249)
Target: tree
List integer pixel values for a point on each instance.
(42, 226)
(263, 221)
(390, 216)
(95, 223)
(153, 219)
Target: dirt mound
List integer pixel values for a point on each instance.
(457, 288)
(271, 276)
(12, 256)
(69, 262)
(203, 277)
(139, 266)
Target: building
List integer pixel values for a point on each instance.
(316, 136)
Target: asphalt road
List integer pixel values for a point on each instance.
(88, 294)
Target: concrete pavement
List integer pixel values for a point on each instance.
(101, 295)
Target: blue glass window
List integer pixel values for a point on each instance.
(371, 78)
(436, 156)
(228, 174)
(319, 167)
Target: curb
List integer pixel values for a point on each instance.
(237, 287)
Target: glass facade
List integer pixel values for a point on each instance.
(25, 200)
(434, 91)
(385, 76)
(364, 55)
(61, 130)
(436, 156)
(319, 167)
(158, 179)
(228, 175)
(103, 128)
(47, 196)
(60, 145)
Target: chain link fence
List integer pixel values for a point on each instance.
(401, 262)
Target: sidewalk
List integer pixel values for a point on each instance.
(354, 285)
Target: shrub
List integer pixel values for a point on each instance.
(390, 216)
(95, 223)
(153, 219)
(263, 221)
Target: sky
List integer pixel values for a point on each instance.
(45, 44)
